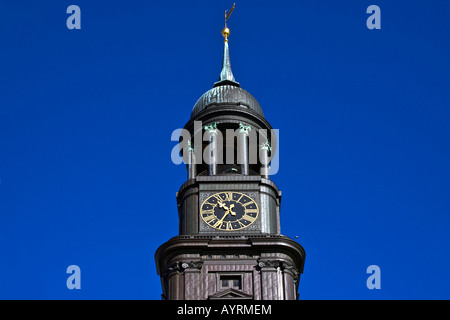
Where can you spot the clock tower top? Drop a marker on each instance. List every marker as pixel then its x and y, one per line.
pixel 229 243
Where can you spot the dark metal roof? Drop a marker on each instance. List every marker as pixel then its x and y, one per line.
pixel 229 95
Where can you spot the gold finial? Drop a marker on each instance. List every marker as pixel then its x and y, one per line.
pixel 226 31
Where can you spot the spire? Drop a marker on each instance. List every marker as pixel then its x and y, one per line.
pixel 226 75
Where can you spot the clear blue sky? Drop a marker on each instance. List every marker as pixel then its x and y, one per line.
pixel 86 118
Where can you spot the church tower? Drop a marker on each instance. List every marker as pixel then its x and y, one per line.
pixel 229 244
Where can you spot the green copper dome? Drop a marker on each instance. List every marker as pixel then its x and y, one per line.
pixel 226 95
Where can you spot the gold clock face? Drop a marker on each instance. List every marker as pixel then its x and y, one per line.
pixel 229 211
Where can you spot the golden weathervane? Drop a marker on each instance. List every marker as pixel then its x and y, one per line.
pixel 226 31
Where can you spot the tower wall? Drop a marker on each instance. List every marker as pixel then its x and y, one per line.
pixel 263 267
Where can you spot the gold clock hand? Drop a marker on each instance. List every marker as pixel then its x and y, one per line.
pixel 223 206
pixel 230 209
pixel 218 223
